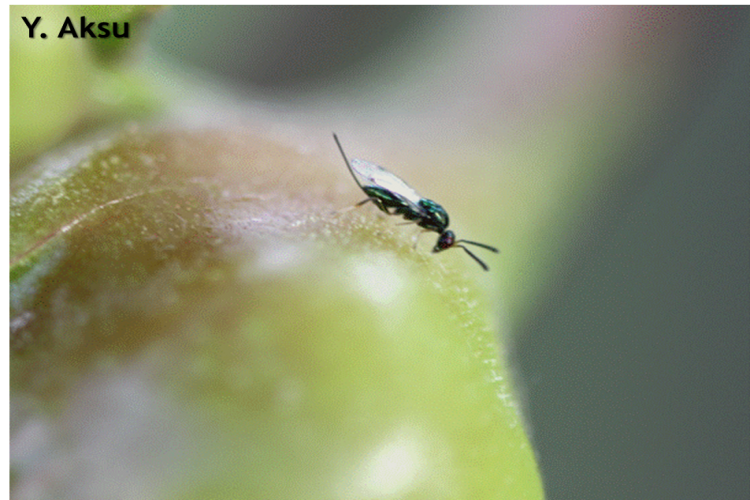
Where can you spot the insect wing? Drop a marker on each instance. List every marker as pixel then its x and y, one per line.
pixel 369 174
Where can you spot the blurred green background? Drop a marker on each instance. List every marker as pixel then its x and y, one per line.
pixel 636 355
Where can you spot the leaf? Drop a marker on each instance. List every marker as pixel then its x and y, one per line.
pixel 193 312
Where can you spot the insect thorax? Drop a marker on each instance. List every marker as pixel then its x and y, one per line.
pixel 435 218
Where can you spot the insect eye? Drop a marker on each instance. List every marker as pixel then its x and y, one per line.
pixel 445 241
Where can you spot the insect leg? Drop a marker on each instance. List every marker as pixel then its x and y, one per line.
pixel 344 210
pixel 415 238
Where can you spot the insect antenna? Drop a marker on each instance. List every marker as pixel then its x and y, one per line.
pixel 484 266
pixel 482 245
pixel 487 247
pixel 348 165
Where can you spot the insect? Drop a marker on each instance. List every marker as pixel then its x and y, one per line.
pixel 393 196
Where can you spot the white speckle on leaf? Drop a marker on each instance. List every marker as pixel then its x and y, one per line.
pixel 391 470
pixel 379 278
pixel 280 257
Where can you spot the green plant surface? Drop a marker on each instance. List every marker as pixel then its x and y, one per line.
pixel 194 311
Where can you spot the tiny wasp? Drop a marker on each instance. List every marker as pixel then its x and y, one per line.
pixel 393 196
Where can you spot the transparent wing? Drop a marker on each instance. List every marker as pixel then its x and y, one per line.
pixel 369 174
